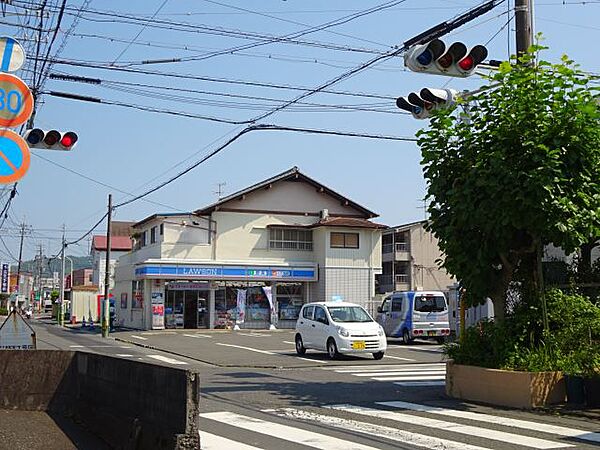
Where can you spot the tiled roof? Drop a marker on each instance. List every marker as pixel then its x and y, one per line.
pixel 293 173
pixel 116 243
pixel 348 222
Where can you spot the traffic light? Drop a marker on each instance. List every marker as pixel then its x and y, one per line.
pixel 50 140
pixel 420 105
pixel 455 61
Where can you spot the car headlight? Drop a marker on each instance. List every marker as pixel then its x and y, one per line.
pixel 343 332
pixel 380 332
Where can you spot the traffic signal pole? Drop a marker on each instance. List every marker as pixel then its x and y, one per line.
pixel 106 301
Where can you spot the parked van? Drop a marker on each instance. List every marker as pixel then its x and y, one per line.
pixel 415 314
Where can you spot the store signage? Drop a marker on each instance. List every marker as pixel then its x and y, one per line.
pixel 224 272
pixel 158 311
pixel 16 334
pixel 188 286
pixel 5 275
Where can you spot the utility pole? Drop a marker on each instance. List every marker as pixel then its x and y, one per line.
pixel 61 319
pixel 106 304
pixel 19 264
pixel 523 25
pixel 39 283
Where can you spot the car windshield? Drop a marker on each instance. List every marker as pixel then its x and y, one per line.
pixel 430 303
pixel 348 314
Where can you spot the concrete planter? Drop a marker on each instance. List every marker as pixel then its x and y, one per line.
pixel 504 387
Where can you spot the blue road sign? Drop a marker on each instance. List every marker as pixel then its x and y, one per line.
pixel 12 54
pixel 14 156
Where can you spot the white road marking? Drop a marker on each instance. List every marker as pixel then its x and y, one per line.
pixel 76 346
pixel 246 348
pixel 420 383
pixel 398 357
pixel 151 333
pixel 253 334
pixel 285 432
pixel 139 337
pixel 505 421
pixel 468 430
pixel 197 336
pixel 213 442
pixel 379 431
pixel 375 367
pixel 392 373
pixel 427 349
pixel 124 346
pixel 124 355
pixel 289 342
pixel 167 359
pixel 411 378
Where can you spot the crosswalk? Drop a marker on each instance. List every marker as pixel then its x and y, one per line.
pixel 383 425
pixel 433 374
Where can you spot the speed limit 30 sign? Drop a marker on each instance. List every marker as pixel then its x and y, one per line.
pixel 16 101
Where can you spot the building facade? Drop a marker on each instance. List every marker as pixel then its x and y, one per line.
pixel 409 254
pixel 250 260
pixel 119 246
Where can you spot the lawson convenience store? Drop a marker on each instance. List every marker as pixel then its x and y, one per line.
pixel 217 296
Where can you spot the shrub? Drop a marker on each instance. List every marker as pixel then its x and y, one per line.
pixel 519 343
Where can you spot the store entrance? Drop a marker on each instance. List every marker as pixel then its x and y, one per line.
pixel 190 306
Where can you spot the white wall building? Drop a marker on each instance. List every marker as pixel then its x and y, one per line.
pixel 253 258
pixel 119 246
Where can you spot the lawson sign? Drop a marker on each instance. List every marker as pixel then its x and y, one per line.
pixel 224 273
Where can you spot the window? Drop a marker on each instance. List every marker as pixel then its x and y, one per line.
pixel 153 235
pixel 290 239
pixel 308 312
pixel 320 315
pixel 349 314
pixel 430 303
pixel 162 229
pixel 344 240
pixel 397 304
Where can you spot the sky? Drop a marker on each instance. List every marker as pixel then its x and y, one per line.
pixel 124 150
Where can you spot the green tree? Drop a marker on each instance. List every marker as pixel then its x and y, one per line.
pixel 522 170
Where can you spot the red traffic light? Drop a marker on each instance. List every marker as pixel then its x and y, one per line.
pixel 68 139
pixel 466 63
pixel 51 140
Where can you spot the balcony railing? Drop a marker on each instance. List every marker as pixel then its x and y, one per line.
pixel 401 278
pixel 401 246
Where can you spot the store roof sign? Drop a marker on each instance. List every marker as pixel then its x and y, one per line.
pixel 226 272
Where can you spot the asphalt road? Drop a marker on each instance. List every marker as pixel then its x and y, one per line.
pixel 256 393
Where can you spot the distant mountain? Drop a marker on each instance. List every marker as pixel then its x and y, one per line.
pixel 53 265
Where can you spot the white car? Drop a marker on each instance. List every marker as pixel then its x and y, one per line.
pixel 338 327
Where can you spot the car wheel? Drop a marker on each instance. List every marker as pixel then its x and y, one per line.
pixel 406 337
pixel 300 345
pixel 332 350
pixel 378 355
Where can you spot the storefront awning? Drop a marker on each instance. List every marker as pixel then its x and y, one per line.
pixel 220 272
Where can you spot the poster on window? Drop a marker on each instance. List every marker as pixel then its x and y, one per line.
pixel 158 311
pixel 124 300
pixel 241 306
pixel 268 291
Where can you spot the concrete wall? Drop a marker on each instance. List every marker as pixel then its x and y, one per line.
pixel 127 403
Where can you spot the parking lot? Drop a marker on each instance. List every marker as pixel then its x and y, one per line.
pixel 252 348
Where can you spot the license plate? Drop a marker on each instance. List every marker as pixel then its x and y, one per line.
pixel 359 345
pixel 431 333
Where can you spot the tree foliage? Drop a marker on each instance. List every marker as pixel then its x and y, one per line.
pixel 520 171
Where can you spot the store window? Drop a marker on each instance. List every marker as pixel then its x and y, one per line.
pixel 290 239
pixel 257 305
pixel 137 294
pixel 344 240
pixel 225 307
pixel 289 300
